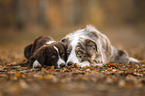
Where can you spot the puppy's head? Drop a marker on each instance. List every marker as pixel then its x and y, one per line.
pixel 87 46
pixel 82 51
pixel 53 54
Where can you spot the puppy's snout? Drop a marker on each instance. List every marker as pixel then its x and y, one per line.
pixel 62 65
pixel 69 63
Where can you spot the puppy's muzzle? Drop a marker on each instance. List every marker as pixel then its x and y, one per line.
pixel 62 65
pixel 69 63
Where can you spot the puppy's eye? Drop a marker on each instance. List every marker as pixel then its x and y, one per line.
pixel 53 56
pixel 79 53
pixel 68 51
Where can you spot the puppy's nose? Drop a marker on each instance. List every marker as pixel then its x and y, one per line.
pixel 62 65
pixel 69 63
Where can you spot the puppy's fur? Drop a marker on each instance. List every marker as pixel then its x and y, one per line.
pixel 45 51
pixel 90 47
pixel 38 42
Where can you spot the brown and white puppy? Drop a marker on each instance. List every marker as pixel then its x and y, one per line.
pixel 89 47
pixel 45 51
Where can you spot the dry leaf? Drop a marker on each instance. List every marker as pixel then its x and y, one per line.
pixel 18 74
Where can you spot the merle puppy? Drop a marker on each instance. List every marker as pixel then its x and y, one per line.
pixel 45 51
pixel 89 47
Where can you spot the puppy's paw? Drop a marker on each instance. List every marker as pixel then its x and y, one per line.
pixel 84 64
pixel 98 64
pixel 36 64
pixel 133 60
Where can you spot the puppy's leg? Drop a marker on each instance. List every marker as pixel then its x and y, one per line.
pixel 119 56
pixel 36 64
pixel 33 62
pixel 133 60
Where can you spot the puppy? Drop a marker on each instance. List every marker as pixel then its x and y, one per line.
pixel 89 47
pixel 45 51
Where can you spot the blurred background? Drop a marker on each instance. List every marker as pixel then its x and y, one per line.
pixel 122 21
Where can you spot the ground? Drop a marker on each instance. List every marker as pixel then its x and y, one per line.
pixel 108 80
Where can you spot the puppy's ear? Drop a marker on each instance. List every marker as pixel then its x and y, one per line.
pixel 64 45
pixel 49 38
pixel 65 40
pixel 64 51
pixel 91 45
pixel 42 39
pixel 38 38
pixel 40 55
pixel 35 44
pixel 27 50
pixel 91 49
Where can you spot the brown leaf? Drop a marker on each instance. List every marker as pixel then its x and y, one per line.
pixel 91 67
pixel 18 74
pixel 41 77
pixel 109 69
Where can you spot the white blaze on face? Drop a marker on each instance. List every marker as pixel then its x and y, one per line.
pixel 36 64
pixel 72 57
pixel 60 60
pixel 50 42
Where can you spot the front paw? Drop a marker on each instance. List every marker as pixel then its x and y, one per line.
pixel 36 64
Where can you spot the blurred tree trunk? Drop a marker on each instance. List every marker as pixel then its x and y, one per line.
pixel 42 20
pixel 139 18
pixel 21 14
pixel 139 11
pixel 31 12
pixel 77 16
pixel 7 14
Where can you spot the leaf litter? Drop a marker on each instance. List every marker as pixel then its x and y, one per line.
pixel 114 79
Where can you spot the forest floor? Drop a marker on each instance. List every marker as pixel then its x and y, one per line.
pixel 109 80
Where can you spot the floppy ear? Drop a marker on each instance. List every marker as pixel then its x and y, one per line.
pixel 40 55
pixel 37 39
pixel 64 47
pixel 65 40
pixel 42 39
pixel 91 46
pixel 91 49
pixel 27 50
